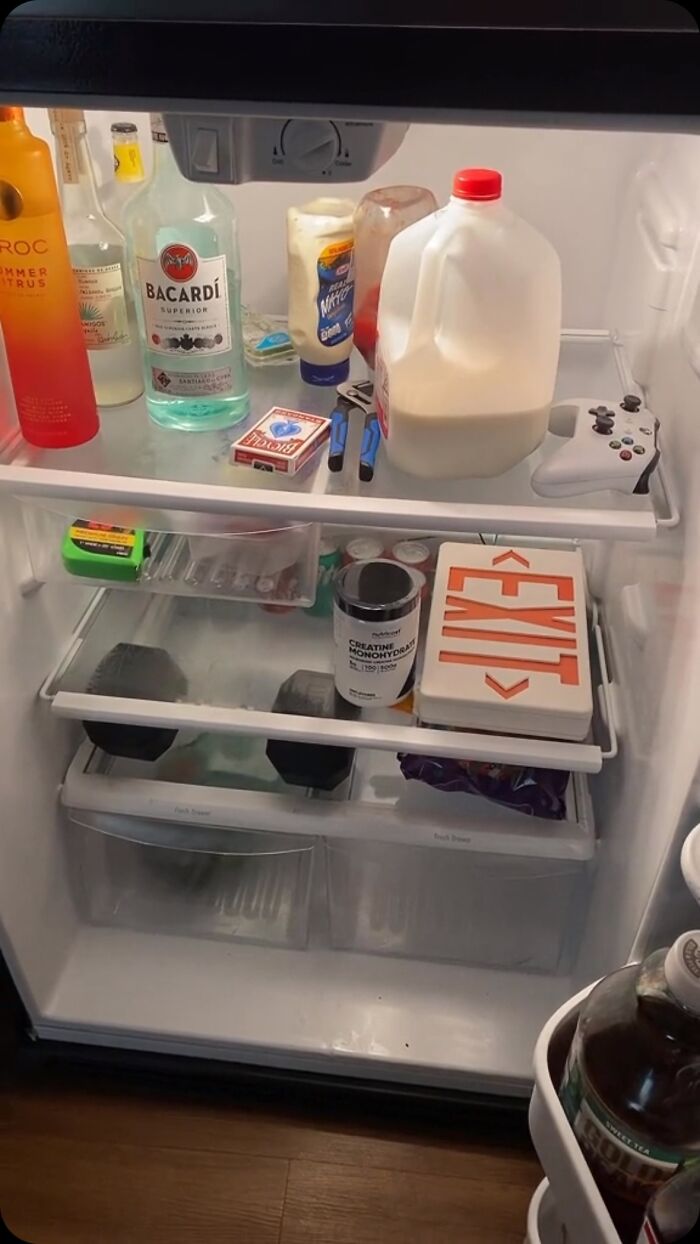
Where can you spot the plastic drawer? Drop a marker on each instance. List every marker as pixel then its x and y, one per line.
pixel 195 881
pixel 253 561
pixel 504 911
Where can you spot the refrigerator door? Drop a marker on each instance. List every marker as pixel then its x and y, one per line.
pixel 613 59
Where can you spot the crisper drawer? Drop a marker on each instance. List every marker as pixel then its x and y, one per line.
pixel 502 911
pixel 155 876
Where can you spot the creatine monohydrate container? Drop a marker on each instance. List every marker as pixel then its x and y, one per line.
pixel 375 629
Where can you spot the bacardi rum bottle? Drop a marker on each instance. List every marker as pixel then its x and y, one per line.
pixel 183 255
pixel 38 302
pixel 98 258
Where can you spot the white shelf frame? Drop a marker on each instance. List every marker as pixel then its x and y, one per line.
pixel 297 813
pixel 578 757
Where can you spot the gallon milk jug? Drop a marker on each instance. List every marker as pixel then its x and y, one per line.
pixel 468 327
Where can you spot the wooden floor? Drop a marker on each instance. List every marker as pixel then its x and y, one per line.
pixel 94 1158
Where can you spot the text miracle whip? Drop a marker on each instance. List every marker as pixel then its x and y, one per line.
pixel 507 642
pixel 283 440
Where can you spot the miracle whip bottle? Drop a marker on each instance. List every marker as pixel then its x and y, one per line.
pixel 38 299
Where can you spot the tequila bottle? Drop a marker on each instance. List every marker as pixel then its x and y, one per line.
pixel 98 258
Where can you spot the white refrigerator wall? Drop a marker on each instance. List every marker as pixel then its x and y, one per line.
pixel 609 203
pixel 652 593
pixel 569 184
pixel 36 911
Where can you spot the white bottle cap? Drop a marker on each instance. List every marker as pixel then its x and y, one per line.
pixel 682 969
pixel 690 862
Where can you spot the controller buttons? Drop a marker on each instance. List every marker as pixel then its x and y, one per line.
pixel 645 431
pixel 639 449
pixel 625 455
pixel 615 444
pixel 631 402
pixel 628 440
pixel 604 423
pixel 601 410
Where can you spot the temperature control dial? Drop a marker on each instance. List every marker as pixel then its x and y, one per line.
pixel 311 145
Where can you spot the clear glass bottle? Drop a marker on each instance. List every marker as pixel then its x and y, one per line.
pixel 631 1088
pixel 129 173
pixel 183 257
pixel 98 258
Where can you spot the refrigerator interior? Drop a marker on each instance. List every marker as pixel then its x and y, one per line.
pixel 359 945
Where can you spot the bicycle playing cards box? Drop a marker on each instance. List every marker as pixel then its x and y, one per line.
pixel 507 643
pixel 283 440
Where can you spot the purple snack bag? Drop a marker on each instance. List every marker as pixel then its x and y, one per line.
pixel 536 792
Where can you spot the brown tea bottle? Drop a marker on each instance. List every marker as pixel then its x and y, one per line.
pixel 631 1088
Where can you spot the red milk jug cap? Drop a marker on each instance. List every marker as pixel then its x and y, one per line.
pixel 477 183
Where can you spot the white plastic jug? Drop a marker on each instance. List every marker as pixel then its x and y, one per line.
pixel 469 326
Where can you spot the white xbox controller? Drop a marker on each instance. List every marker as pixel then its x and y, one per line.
pixel 612 445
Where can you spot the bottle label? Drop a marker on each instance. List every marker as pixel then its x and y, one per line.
pixel 102 306
pixel 91 537
pixel 648 1234
pixel 213 380
pixel 68 152
pixel 336 285
pixel 128 166
pixel 185 303
pixel 624 1163
pixel 374 661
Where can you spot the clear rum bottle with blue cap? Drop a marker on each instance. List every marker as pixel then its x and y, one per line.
pixel 184 264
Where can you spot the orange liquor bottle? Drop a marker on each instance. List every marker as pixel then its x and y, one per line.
pixel 38 299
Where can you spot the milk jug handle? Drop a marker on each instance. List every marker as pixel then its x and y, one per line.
pixel 427 302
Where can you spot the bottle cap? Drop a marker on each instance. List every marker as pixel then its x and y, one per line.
pixel 11 114
pixel 682 970
pixel 690 862
pixel 324 373
pixel 123 127
pixel 477 184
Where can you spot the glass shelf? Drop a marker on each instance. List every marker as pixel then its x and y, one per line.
pixel 137 474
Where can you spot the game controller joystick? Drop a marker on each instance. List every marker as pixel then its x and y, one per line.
pixel 612 445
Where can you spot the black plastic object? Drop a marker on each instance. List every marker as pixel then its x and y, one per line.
pixel 310 694
pixel 635 58
pixel 135 672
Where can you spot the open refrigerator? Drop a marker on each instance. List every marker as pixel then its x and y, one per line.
pixel 391 932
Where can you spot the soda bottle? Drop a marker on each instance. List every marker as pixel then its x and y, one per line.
pixel 379 216
pixel 631 1087
pixel 673 1216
